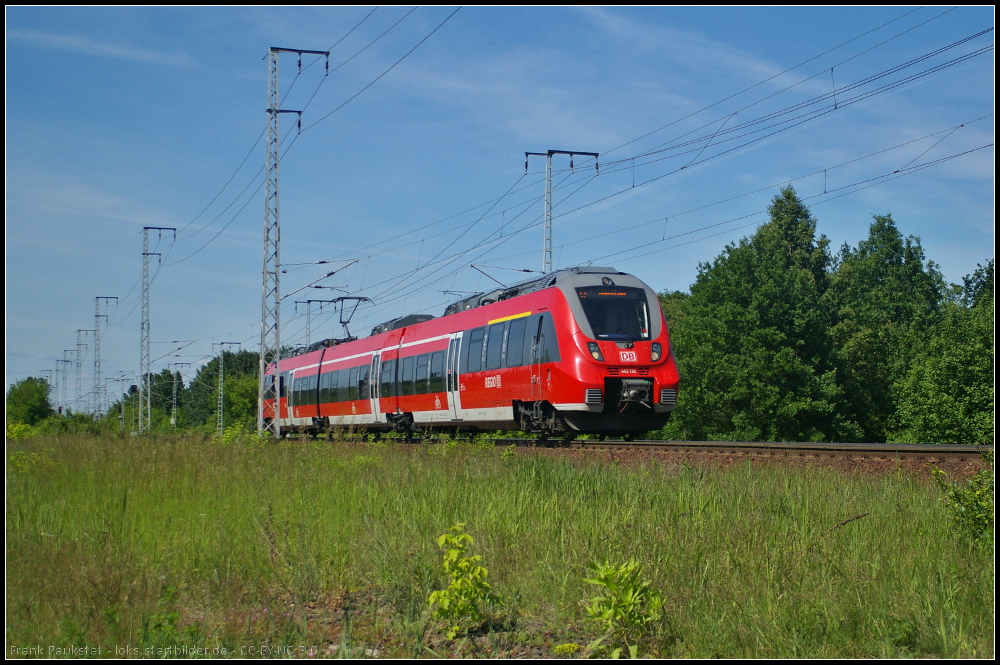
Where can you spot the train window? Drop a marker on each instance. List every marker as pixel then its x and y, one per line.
pixel 618 312
pixel 540 345
pixel 421 386
pixel 343 385
pixel 352 385
pixel 474 362
pixel 363 382
pixel 515 343
pixel 388 378
pixel 283 384
pixel 312 384
pixel 437 372
pixel 532 328
pixel 324 387
pixel 332 389
pixel 406 377
pixel 494 346
pixel 549 345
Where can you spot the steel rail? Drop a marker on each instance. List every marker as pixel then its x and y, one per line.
pixel 885 451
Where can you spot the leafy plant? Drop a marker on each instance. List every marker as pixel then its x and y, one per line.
pixel 461 602
pixel 567 649
pixel 17 431
pixel 971 506
pixel 24 462
pixel 627 607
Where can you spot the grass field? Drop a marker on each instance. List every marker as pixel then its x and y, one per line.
pixel 263 549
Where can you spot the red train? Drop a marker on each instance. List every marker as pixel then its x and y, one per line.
pixel 583 350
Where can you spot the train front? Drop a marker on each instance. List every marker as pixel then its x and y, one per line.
pixel 621 358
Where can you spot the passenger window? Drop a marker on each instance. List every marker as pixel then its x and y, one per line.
pixel 421 384
pixel 388 378
pixel 532 329
pixel 406 377
pixel 352 385
pixel 475 359
pixel 549 345
pixel 494 346
pixel 437 372
pixel 312 383
pixel 324 387
pixel 515 343
pixel 335 386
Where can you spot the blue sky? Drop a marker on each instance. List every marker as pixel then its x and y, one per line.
pixel 124 118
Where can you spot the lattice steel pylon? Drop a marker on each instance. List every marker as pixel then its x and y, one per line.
pixel 222 363
pixel 98 386
pixel 547 223
pixel 173 409
pixel 270 307
pixel 145 379
pixel 65 361
pixel 79 401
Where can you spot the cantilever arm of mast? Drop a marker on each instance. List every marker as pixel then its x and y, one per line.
pixel 329 274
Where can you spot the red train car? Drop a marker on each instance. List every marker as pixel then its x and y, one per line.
pixel 582 350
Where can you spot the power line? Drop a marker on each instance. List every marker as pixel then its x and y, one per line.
pixel 358 93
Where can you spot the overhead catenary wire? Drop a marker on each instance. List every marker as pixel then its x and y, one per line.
pixel 568 212
pixel 880 179
pixel 820 99
pixel 860 96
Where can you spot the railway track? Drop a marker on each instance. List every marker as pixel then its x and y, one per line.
pixel 915 452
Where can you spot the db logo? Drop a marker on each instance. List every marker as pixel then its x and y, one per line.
pixel 627 356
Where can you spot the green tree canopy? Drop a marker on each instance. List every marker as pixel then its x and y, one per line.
pixel 756 359
pixel 28 401
pixel 200 399
pixel 885 298
pixel 947 395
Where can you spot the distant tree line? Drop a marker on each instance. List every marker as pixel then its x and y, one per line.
pixel 781 340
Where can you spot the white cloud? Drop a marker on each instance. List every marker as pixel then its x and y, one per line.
pixel 92 47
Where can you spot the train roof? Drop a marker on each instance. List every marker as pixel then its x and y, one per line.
pixel 527 286
pixel 565 278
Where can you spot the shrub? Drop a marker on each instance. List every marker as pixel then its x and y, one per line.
pixel 17 431
pixel 628 607
pixel 971 506
pixel 461 603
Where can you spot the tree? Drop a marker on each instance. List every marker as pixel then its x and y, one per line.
pixel 28 401
pixel 947 396
pixel 885 299
pixel 753 344
pixel 200 399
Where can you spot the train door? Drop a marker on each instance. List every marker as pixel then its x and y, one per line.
pixel 290 399
pixel 536 359
pixel 452 384
pixel 374 388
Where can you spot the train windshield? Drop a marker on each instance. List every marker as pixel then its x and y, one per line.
pixel 616 312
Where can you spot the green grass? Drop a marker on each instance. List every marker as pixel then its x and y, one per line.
pixel 159 542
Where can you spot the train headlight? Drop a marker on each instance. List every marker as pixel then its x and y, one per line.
pixel 656 351
pixel 595 351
